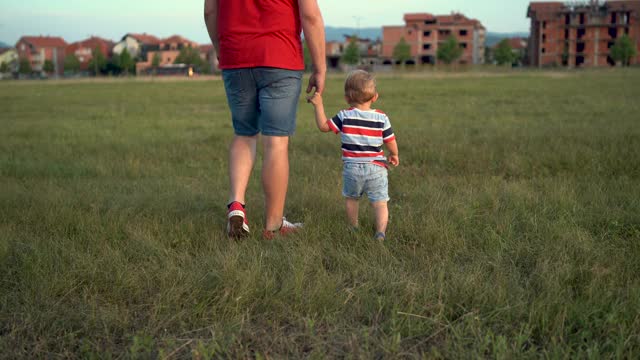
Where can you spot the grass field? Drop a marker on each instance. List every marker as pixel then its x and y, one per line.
pixel 515 225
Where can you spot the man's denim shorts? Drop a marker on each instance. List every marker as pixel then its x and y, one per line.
pixel 263 100
pixel 365 178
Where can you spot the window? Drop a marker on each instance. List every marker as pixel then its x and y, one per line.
pixel 426 46
pixel 567 19
pixel 544 50
pixel 22 47
pixel 463 45
pixel 463 32
pixel 429 22
pixel 582 19
pixel 427 33
pixel 544 37
pixel 544 24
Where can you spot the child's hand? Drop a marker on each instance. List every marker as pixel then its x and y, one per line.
pixel 315 99
pixel 394 160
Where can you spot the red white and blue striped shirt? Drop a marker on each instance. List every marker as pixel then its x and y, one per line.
pixel 363 133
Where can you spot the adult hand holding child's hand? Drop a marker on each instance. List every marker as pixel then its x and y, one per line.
pixel 315 99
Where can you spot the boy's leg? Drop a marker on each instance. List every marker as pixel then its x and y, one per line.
pixel 382 216
pixel 352 211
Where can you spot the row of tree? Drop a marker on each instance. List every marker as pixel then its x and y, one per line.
pixel 122 64
pixel 622 52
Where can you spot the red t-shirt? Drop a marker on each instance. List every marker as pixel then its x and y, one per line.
pixel 255 33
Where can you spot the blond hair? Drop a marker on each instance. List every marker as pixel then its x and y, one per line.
pixel 360 87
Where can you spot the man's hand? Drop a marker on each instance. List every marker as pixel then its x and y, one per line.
pixel 316 83
pixel 394 160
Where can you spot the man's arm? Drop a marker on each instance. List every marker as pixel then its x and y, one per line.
pixel 211 20
pixel 313 28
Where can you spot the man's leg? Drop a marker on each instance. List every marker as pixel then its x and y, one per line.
pixel 275 179
pixel 242 155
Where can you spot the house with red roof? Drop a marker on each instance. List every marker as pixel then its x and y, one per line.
pixel 138 45
pixel 167 50
pixel 83 50
pixel 38 49
pixel 425 32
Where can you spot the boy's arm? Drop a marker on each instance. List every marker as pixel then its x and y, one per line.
pixel 394 158
pixel 321 118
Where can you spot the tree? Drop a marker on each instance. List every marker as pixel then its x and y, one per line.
pixel 48 67
pixel 71 64
pixel 98 63
pixel 4 68
pixel 308 61
pixel 25 67
pixel 127 63
pixel 450 51
pixel 623 50
pixel 351 54
pixel 402 51
pixel 191 56
pixel 504 53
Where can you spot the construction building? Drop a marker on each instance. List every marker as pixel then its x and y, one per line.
pixel 426 32
pixel 580 33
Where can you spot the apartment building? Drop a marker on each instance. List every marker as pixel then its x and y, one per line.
pixel 425 32
pixel 580 34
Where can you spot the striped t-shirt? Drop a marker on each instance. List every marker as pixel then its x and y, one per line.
pixel 363 133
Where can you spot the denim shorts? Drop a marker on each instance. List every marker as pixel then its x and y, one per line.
pixel 263 100
pixel 365 178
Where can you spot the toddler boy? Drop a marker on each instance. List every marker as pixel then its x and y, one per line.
pixel 363 131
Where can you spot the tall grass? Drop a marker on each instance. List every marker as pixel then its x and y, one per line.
pixel 515 226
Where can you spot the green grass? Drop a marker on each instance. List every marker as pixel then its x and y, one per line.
pixel 515 225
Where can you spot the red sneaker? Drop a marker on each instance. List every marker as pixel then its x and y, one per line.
pixel 237 224
pixel 287 228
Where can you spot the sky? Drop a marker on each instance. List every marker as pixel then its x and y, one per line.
pixel 78 19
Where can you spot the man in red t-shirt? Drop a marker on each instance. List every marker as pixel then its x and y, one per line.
pixel 260 52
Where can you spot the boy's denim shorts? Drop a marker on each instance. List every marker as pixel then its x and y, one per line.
pixel 263 100
pixel 365 178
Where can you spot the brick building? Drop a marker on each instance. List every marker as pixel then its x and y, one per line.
pixel 425 32
pixel 581 33
pixel 167 49
pixel 38 49
pixel 83 50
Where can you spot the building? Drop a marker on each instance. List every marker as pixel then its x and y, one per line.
pixel 426 32
pixel 138 45
pixel 580 34
pixel 9 57
pixel 166 50
pixel 38 49
pixel 83 50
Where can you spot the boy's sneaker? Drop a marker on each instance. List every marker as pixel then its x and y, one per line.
pixel 287 228
pixel 237 224
pixel 381 236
